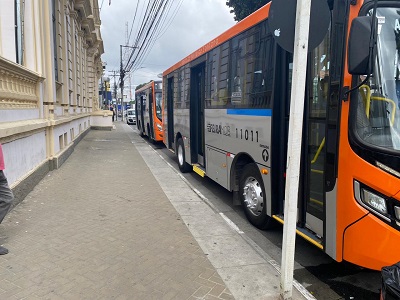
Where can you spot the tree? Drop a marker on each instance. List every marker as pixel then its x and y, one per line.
pixel 243 8
pixel 140 86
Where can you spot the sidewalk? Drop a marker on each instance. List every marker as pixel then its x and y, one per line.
pixel 117 222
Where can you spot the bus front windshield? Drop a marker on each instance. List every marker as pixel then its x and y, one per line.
pixel 378 116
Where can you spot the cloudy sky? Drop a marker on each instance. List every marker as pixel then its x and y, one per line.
pixel 196 22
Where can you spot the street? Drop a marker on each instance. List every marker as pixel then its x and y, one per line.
pixel 323 277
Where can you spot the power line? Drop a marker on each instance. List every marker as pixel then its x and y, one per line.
pixel 171 19
pixel 153 21
pixel 149 33
pixel 133 22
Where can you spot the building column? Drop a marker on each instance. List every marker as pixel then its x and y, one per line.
pixel 64 58
pixel 49 92
pixel 90 74
pixel 73 88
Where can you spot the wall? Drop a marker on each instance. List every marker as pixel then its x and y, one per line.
pixel 48 84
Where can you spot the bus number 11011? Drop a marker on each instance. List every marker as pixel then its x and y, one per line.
pixel 248 135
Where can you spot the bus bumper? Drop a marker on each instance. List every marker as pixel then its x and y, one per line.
pixel 371 243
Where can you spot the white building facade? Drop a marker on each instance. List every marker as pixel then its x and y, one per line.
pixel 50 65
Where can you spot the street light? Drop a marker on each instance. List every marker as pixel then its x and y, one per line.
pixel 122 74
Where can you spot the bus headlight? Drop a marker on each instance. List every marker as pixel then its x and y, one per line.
pixel 159 127
pixel 374 201
pixel 397 213
pixel 371 200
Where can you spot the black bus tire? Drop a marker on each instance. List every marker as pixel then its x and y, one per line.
pixel 140 129
pixel 180 153
pixel 253 198
pixel 151 138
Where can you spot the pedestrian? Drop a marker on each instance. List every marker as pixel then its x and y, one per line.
pixel 6 195
pixel 113 111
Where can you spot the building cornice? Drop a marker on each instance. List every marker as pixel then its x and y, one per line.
pixel 84 7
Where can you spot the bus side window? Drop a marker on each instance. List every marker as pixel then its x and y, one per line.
pixel 257 91
pixel 223 80
pixel 252 68
pixel 211 80
pixel 244 48
pixel 261 92
pixel 186 87
pixel 235 90
pixel 180 92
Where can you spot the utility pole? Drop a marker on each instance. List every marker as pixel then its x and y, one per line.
pixel 303 10
pixel 115 91
pixel 122 75
pixel 115 73
pixel 130 88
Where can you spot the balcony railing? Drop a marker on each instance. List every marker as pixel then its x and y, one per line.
pixel 19 87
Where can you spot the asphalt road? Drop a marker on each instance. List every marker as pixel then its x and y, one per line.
pixel 320 274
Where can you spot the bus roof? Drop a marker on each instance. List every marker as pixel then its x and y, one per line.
pixel 256 17
pixel 147 85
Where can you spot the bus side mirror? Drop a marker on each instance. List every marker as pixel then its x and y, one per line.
pixel 359 41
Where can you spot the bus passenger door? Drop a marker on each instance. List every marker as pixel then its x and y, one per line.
pixel 197 98
pixel 312 208
pixel 150 129
pixel 142 111
pixel 170 113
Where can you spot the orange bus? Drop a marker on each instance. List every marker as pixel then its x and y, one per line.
pixel 148 105
pixel 226 115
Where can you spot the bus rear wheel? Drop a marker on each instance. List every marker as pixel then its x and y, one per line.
pixel 252 195
pixel 180 152
pixel 140 129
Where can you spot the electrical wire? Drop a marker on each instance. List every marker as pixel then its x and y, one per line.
pixel 171 19
pixel 149 38
pixel 152 27
pixel 152 21
pixel 133 22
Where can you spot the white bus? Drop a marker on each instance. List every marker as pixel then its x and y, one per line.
pixel 226 116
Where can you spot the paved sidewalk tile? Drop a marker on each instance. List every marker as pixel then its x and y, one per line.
pixel 100 227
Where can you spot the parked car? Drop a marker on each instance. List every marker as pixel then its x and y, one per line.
pixel 131 116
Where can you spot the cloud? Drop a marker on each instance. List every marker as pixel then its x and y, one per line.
pixel 196 23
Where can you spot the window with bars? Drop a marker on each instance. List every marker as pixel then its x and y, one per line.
pixel 19 8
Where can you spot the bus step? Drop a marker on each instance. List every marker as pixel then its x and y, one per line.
pixel 304 233
pixel 199 170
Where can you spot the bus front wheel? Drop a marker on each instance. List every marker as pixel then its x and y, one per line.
pixel 253 198
pixel 151 139
pixel 180 151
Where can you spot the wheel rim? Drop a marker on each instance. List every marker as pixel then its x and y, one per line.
pixel 180 155
pixel 253 196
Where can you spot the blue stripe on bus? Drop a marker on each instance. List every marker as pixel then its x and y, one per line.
pixel 249 112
